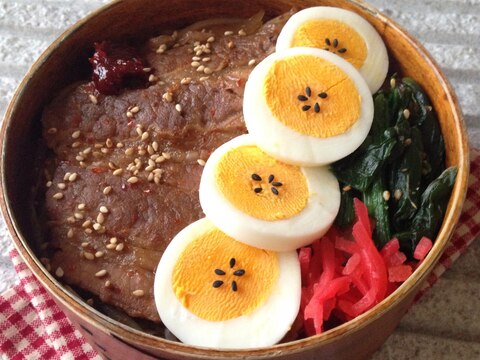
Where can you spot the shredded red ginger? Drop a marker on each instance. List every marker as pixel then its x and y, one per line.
pixel 344 276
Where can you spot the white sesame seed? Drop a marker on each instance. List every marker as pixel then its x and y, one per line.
pixel 82 164
pixel 397 194
pixel 206 59
pixel 185 81
pixel 201 162
pixel 88 255
pixel 52 131
pixel 78 216
pixel 201 68
pixel 150 177
pixel 135 109
pixel 129 151
pixel 59 272
pixel 199 52
pixel 117 172
pixel 93 99
pixel 231 45
pixel 196 58
pixel 386 195
pixel 393 82
pixel 108 283
pixel 203 78
pixel 88 231
pixel 208 71
pixel 97 227
pixel 76 134
pixel 101 273
pixel 161 49
pixel 107 190
pixel 147 69
pixel 79 158
pixel 48 184
pixel 242 32
pixel 178 107
pixel 100 218
pixel 228 33
pixel 168 96
pixel 76 144
pixel 138 293
pixel 109 143
pixel 112 165
pixel 70 233
pixel 141 152
pixel 152 78
pixel 81 206
pixel 145 136
pixel 61 186
pixel 120 145
pixel 71 220
pixel 132 180
pixel 252 62
pixel 111 246
pixel 113 240
pixel 58 196
pixel 119 247
pixel 149 168
pixel 195 64
pixel 166 155
pixel 150 149
pixel 406 113
pixel 129 114
pixel 156 179
pixel 211 39
pixel 87 223
pixel 85 244
pixel 73 177
pixel 104 210
pixel 155 146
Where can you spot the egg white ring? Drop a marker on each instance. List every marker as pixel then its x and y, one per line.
pixel 288 145
pixel 375 67
pixel 265 326
pixel 279 235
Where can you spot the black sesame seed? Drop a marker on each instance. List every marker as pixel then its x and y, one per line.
pixel 239 272
pixel 327 49
pixel 306 107
pixel 322 95
pixel 256 177
pixel 274 191
pixel 342 50
pixel 258 190
pixel 327 41
pixel 316 108
pixel 308 91
pixel 302 98
pixel 335 42
pixel 219 272
pixel 276 183
pixel 270 178
pixel 234 286
pixel 232 263
pixel 217 283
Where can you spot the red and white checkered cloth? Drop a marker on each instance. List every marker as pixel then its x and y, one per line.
pixel 33 327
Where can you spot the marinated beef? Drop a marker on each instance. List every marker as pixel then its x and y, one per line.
pixel 124 170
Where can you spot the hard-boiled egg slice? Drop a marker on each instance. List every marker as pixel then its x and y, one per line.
pixel 307 106
pixel 213 291
pixel 264 202
pixel 343 33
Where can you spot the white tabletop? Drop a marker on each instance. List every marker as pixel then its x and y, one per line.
pixel 445 324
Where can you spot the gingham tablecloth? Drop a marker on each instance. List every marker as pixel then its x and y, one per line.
pixel 33 327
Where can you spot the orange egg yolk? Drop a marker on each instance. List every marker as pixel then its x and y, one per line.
pixel 261 186
pixel 334 36
pixel 218 278
pixel 312 96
